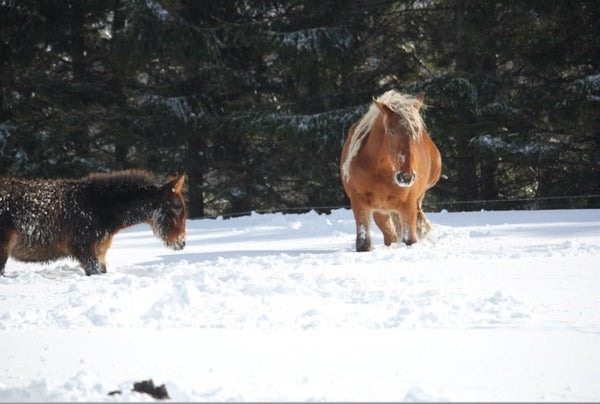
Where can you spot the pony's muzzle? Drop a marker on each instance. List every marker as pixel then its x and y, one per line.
pixel 179 244
pixel 403 180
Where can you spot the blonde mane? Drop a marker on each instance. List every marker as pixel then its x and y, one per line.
pixel 402 104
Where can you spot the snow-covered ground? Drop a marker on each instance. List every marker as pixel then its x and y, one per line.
pixel 494 306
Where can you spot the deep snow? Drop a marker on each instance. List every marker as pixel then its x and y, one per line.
pixel 494 306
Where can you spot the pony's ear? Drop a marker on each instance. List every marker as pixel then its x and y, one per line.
pixel 420 98
pixel 175 184
pixel 382 107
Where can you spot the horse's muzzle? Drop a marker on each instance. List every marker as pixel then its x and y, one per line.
pixel 179 244
pixel 403 180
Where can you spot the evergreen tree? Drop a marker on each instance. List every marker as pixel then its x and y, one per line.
pixel 253 100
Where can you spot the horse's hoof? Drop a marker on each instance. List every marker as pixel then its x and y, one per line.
pixel 363 245
pixel 409 242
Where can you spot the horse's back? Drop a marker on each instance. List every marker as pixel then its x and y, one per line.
pixel 435 159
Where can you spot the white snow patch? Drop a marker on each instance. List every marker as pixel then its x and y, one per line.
pixel 493 306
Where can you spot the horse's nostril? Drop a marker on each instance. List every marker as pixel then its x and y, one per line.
pixel 403 180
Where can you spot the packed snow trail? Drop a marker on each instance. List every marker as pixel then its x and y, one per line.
pixel 493 306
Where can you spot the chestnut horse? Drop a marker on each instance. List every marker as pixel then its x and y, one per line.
pixel 387 164
pixel 43 220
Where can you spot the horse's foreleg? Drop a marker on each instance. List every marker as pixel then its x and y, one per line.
pixel 88 261
pixel 92 266
pixel 386 225
pixel 409 225
pixel 362 217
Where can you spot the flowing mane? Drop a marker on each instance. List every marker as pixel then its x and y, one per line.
pixel 402 104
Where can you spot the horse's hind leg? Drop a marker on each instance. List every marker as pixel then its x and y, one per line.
pixel 386 225
pixel 406 224
pixel 3 259
pixel 100 250
pixel 3 254
pixel 397 220
pixel 424 227
pixel 7 240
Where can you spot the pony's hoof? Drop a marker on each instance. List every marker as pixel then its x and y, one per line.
pixel 388 241
pixel 363 245
pixel 409 241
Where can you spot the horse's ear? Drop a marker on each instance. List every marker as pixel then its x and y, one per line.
pixel 420 98
pixel 175 184
pixel 382 107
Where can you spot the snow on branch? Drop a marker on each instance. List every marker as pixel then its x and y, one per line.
pixel 309 123
pixel 509 147
pixel 185 108
pixel 314 39
pixel 589 87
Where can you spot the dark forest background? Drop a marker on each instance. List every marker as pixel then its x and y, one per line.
pixel 253 99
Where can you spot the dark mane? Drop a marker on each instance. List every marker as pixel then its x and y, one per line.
pixel 123 178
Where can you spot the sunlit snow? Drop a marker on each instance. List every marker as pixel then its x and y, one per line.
pixel 494 306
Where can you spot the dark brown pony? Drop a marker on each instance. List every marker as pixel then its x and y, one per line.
pixel 387 164
pixel 43 220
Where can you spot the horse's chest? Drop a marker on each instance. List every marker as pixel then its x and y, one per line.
pixel 377 189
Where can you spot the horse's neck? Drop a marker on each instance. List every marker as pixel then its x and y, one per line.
pixel 141 211
pixel 128 207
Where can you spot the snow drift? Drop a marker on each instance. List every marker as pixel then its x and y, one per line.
pixel 493 306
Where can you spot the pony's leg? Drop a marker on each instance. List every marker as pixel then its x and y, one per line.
pixel 3 259
pixel 362 217
pixel 3 253
pixel 88 261
pixel 397 220
pixel 409 224
pixel 7 239
pixel 92 257
pixel 91 266
pixel 386 225
pixel 424 227
pixel 100 251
